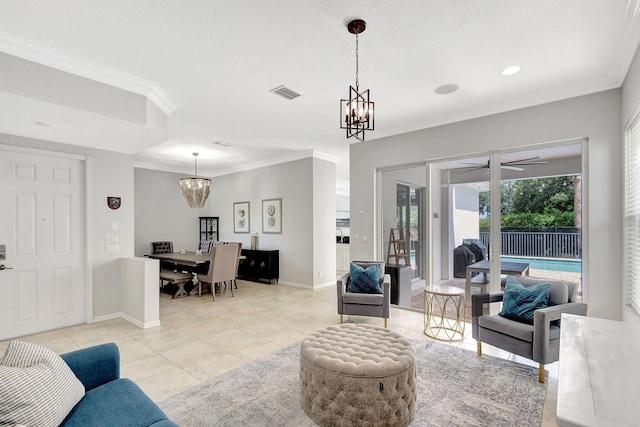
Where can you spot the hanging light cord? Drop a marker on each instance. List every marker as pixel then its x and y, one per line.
pixel 357 79
pixel 195 161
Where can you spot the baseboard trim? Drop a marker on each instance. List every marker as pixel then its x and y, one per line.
pixel 128 318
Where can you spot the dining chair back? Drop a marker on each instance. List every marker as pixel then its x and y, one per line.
pixel 222 267
pixel 237 260
pixel 161 247
pixel 205 246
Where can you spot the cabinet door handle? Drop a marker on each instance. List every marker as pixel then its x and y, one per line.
pixel 4 267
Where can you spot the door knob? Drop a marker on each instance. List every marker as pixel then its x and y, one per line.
pixel 4 267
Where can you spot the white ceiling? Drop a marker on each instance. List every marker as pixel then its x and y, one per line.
pixel 215 62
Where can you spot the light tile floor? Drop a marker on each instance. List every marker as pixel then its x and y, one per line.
pixel 200 338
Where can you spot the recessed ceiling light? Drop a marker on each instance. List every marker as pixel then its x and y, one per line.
pixel 43 124
pixel 510 70
pixel 446 89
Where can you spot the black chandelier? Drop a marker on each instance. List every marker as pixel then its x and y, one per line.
pixel 356 113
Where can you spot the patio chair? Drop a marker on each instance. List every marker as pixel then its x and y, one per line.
pixel 539 341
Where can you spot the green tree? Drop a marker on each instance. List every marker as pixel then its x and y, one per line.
pixel 538 202
pixel 543 195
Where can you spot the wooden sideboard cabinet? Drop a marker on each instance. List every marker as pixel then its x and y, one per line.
pixel 260 264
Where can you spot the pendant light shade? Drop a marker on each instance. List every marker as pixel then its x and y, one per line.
pixel 195 190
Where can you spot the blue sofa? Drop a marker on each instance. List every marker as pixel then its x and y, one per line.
pixel 109 400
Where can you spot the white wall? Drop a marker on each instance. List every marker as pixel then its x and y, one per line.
pixel 342 202
pixel 596 117
pixel 162 212
pixel 324 221
pixel 140 299
pixel 631 104
pixel 111 175
pixel 307 189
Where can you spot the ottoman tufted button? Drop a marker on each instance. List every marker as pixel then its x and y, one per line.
pixel 354 367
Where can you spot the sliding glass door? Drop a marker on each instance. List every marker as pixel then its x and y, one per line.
pixel 409 225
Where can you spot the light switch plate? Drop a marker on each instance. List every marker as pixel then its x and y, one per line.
pixel 111 248
pixel 110 238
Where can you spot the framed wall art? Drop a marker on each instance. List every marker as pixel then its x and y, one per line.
pixel 241 217
pixel 272 216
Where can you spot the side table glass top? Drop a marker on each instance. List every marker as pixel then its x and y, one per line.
pixel 444 290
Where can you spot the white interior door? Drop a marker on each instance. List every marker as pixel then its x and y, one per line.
pixel 42 220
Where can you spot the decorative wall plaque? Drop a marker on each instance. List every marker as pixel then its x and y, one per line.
pixel 114 202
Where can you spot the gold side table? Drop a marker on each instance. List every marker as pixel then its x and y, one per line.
pixel 436 324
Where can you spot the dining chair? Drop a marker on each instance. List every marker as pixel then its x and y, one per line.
pixel 205 246
pixel 222 267
pixel 161 247
pixel 238 259
pixel 166 267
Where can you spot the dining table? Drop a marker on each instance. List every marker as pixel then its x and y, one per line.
pixel 192 261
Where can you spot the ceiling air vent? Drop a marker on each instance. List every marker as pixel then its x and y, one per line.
pixel 222 144
pixel 285 92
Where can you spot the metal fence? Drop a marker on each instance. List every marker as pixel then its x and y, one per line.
pixel 538 244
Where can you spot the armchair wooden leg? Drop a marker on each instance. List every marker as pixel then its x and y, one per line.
pixel 479 347
pixel 385 322
pixel 341 318
pixel 541 373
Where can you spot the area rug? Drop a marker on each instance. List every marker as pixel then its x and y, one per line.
pixel 455 388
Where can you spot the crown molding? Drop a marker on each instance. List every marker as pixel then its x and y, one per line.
pixel 41 54
pixel 249 166
pixel 629 40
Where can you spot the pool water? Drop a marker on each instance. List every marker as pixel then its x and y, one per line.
pixel 572 266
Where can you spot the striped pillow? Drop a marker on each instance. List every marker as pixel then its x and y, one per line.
pixel 37 388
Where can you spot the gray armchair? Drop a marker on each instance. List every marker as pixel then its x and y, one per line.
pixel 360 304
pixel 539 342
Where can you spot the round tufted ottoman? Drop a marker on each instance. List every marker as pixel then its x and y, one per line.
pixel 358 375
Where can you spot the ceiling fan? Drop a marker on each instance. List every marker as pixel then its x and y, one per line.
pixel 514 165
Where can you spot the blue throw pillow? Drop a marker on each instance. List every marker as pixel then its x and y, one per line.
pixel 365 280
pixel 520 302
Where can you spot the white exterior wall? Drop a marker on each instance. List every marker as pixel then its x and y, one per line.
pixel 466 214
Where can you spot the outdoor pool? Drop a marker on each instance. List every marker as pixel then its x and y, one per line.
pixel 569 265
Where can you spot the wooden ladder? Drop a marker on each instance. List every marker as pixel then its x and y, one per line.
pixel 398 243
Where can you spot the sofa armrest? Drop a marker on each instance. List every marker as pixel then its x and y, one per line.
pixel 479 300
pixel 386 294
pixel 95 365
pixel 542 319
pixel 341 288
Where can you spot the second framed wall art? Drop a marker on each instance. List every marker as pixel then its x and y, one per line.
pixel 272 216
